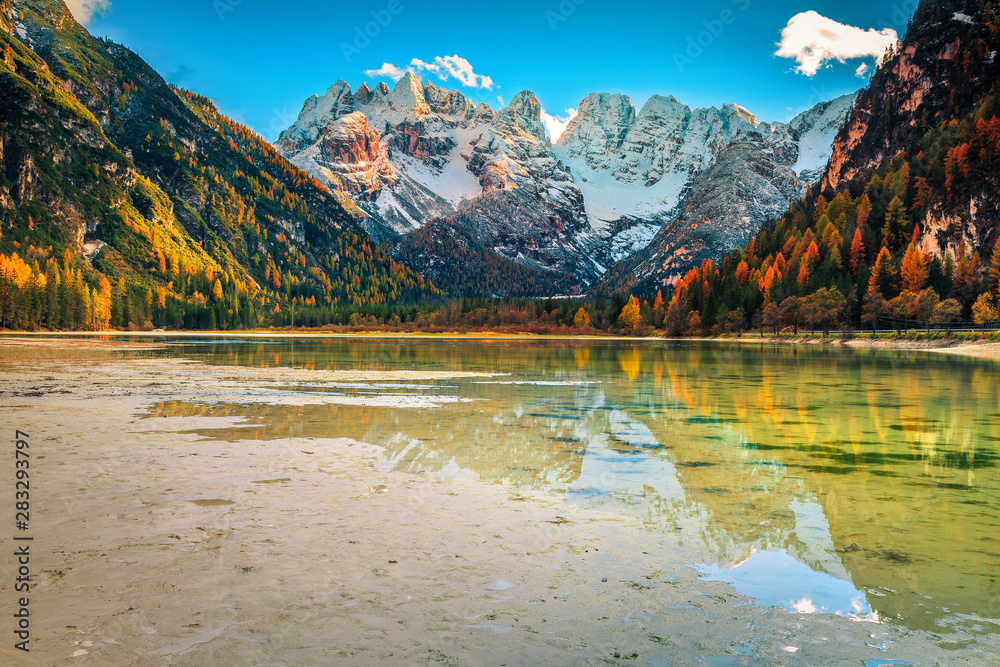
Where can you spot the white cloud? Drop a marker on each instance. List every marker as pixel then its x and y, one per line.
pixel 455 67
pixel 862 70
pixel 84 10
pixel 804 606
pixel 443 67
pixel 556 125
pixel 812 40
pixel 387 70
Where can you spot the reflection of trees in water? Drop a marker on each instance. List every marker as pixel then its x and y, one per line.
pixel 502 440
pixel 898 450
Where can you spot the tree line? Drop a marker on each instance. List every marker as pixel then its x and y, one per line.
pixel 868 254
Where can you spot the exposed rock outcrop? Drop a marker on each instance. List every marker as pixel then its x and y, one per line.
pixel 600 194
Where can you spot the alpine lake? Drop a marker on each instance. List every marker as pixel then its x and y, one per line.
pixel 827 481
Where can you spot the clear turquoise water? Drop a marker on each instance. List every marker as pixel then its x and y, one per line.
pixel 823 481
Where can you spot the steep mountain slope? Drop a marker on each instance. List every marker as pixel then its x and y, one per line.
pixel 417 152
pixel 944 67
pixel 159 192
pixel 906 229
pixel 724 210
pixel 740 173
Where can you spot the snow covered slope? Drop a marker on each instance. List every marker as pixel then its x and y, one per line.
pixel 637 170
pixel 602 193
pixel 817 129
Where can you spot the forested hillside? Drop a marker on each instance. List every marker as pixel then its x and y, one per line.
pixel 910 240
pixel 126 202
pixel 445 254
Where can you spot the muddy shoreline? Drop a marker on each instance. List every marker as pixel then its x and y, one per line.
pixel 156 545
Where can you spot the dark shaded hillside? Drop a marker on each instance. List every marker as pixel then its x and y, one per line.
pixel 444 253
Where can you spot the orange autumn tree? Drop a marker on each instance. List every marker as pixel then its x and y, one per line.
pixel 857 251
pixel 743 273
pixel 914 269
pixel 659 310
pixel 803 277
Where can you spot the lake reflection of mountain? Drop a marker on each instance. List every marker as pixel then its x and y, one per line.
pixel 877 473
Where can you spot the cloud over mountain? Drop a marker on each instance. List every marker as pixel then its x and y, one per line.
pixel 443 67
pixel 813 40
pixel 84 10
pixel 556 125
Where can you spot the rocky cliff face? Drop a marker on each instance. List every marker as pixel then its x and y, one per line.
pixel 417 153
pixel 946 63
pixel 599 195
pixel 637 171
pixel 945 66
pixel 708 179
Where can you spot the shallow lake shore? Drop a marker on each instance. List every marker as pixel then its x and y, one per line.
pixel 156 545
pixel 981 348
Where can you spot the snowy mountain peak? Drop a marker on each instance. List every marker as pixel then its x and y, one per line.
pixel 483 114
pixel 408 96
pixel 817 128
pixel 447 102
pixel 363 94
pixel 380 93
pixel 316 112
pixel 663 105
pixel 736 111
pixel 523 115
pixel 338 89
pixel 602 122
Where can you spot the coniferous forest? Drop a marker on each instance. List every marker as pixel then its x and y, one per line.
pixel 127 203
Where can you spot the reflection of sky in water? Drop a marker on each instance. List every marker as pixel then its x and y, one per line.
pixel 606 471
pixel 809 494
pixel 813 580
pixel 778 580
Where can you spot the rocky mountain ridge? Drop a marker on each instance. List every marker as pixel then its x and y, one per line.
pixel 415 153
pixel 644 168
pixel 945 67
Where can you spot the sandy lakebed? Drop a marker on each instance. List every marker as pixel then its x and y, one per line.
pixel 155 545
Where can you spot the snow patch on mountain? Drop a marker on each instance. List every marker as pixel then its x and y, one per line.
pixel 613 179
pixel 608 199
pixel 453 182
pixel 817 130
pixel 632 240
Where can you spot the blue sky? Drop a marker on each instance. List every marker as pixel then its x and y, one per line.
pixel 260 60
